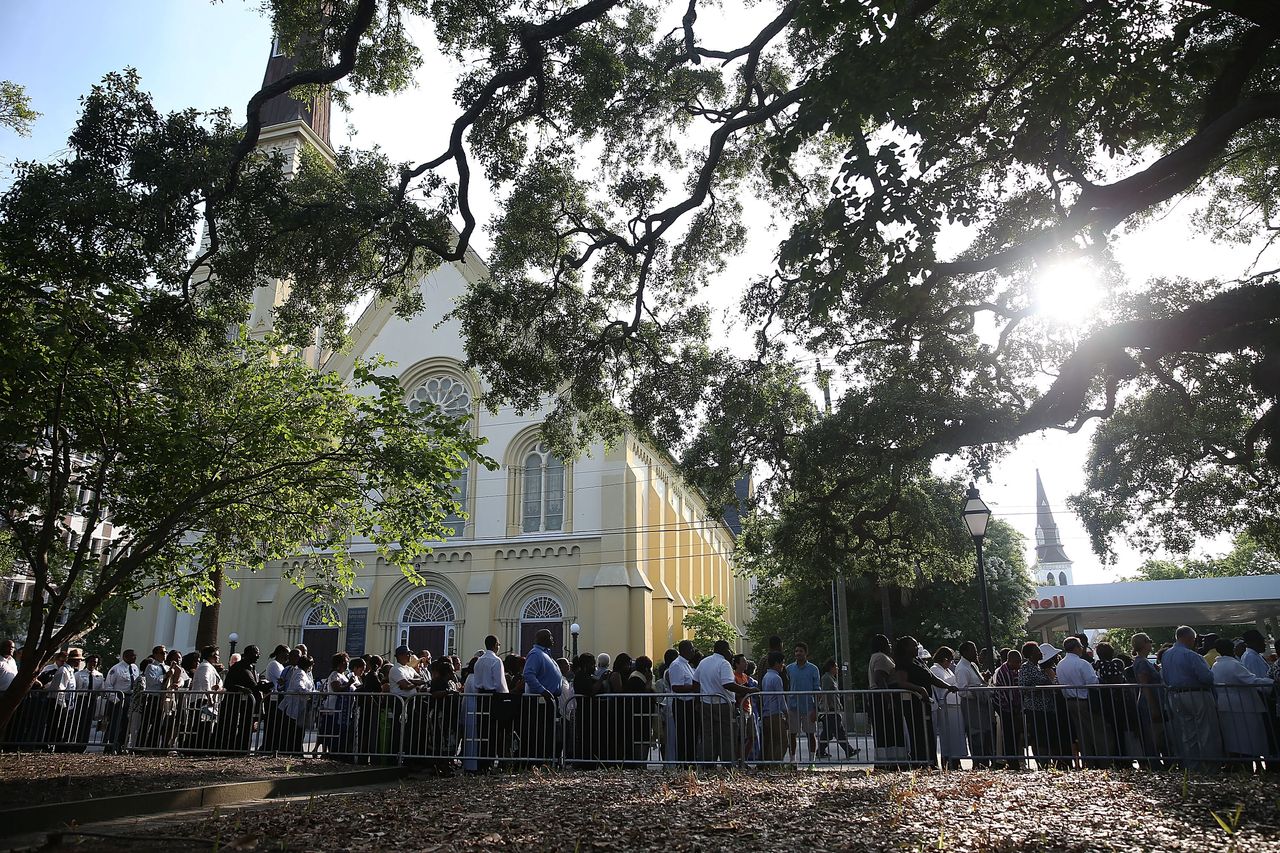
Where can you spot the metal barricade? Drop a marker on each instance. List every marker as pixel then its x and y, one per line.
pixel 1031 727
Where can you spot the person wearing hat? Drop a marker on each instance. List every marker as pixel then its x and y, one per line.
pixel 1042 721
pixel 62 690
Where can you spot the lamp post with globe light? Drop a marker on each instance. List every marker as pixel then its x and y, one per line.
pixel 575 629
pixel 233 638
pixel 976 516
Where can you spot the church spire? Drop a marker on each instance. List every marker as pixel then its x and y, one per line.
pixel 283 109
pixel 1048 545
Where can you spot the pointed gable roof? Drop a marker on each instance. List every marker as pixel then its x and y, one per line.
pixel 1048 545
pixel 283 109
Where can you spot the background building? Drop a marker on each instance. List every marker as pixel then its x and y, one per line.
pixel 1053 566
pixel 615 540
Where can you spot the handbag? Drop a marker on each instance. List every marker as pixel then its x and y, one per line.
pixel 209 714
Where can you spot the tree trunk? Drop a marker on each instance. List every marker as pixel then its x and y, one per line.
pixel 207 627
pixel 886 613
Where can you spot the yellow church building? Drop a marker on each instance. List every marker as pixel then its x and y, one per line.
pixel 614 541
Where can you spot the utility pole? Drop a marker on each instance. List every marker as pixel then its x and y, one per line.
pixel 839 592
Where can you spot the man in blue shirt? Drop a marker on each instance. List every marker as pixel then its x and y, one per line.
pixel 1191 702
pixel 773 710
pixel 541 687
pixel 802 707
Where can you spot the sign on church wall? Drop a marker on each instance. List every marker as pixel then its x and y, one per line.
pixel 357 623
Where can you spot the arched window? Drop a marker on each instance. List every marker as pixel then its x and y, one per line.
pixel 320 639
pixel 539 612
pixel 428 621
pixel 1049 580
pixel 542 492
pixel 452 397
pixel 1062 578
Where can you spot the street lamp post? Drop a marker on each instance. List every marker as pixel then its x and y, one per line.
pixel 976 516
pixel 233 638
pixel 575 629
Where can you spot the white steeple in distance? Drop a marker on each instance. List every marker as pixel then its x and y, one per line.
pixel 1053 566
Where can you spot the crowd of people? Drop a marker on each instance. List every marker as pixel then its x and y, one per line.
pixel 1197 700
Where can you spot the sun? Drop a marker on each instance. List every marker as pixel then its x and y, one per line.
pixel 1068 293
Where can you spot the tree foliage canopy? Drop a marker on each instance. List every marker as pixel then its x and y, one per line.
pixel 124 401
pixel 929 161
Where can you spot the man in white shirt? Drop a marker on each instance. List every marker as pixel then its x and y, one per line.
pixel 489 680
pixel 719 691
pixel 685 707
pixel 975 705
pixel 119 681
pixel 1075 675
pixel 62 687
pixel 207 679
pixel 8 665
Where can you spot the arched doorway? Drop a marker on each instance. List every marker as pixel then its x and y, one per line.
pixel 428 622
pixel 321 641
pixel 542 611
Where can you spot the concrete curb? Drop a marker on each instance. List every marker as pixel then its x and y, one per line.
pixel 54 816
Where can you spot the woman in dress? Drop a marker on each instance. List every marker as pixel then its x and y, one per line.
pixel 950 718
pixel 1150 699
pixel 1241 711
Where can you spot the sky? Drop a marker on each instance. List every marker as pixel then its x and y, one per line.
pixel 193 53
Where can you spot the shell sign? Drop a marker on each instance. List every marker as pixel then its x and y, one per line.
pixel 1055 603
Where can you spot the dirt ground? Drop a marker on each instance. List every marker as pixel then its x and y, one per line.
pixel 743 810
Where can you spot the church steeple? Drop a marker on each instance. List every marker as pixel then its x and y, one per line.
pixel 1052 563
pixel 283 109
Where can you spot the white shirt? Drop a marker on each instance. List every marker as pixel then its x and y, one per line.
pixel 1252 661
pixel 274 670
pixel 207 678
pixel 8 671
pixel 295 704
pixel 946 697
pixel 680 674
pixel 713 674
pixel 1228 670
pixel 402 672
pixel 120 677
pixel 1075 672
pixel 488 673
pixel 86 680
pixel 64 683
pixel 967 675
pixel 338 684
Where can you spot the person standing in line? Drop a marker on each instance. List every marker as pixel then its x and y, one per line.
pixel 951 739
pixel 1241 711
pixel 1150 705
pixel 151 708
pixel 297 705
pixel 1008 700
pixel 832 724
pixel 684 687
pixel 541 688
pixel 8 665
pixel 90 706
pixel 62 690
pixel 206 690
pixel 804 684
pixel 1076 675
pixel 975 705
pixel 887 724
pixel 481 721
pixel 773 710
pixel 273 721
pixel 720 692
pixel 119 683
pixel 1254 661
pixel 1191 705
